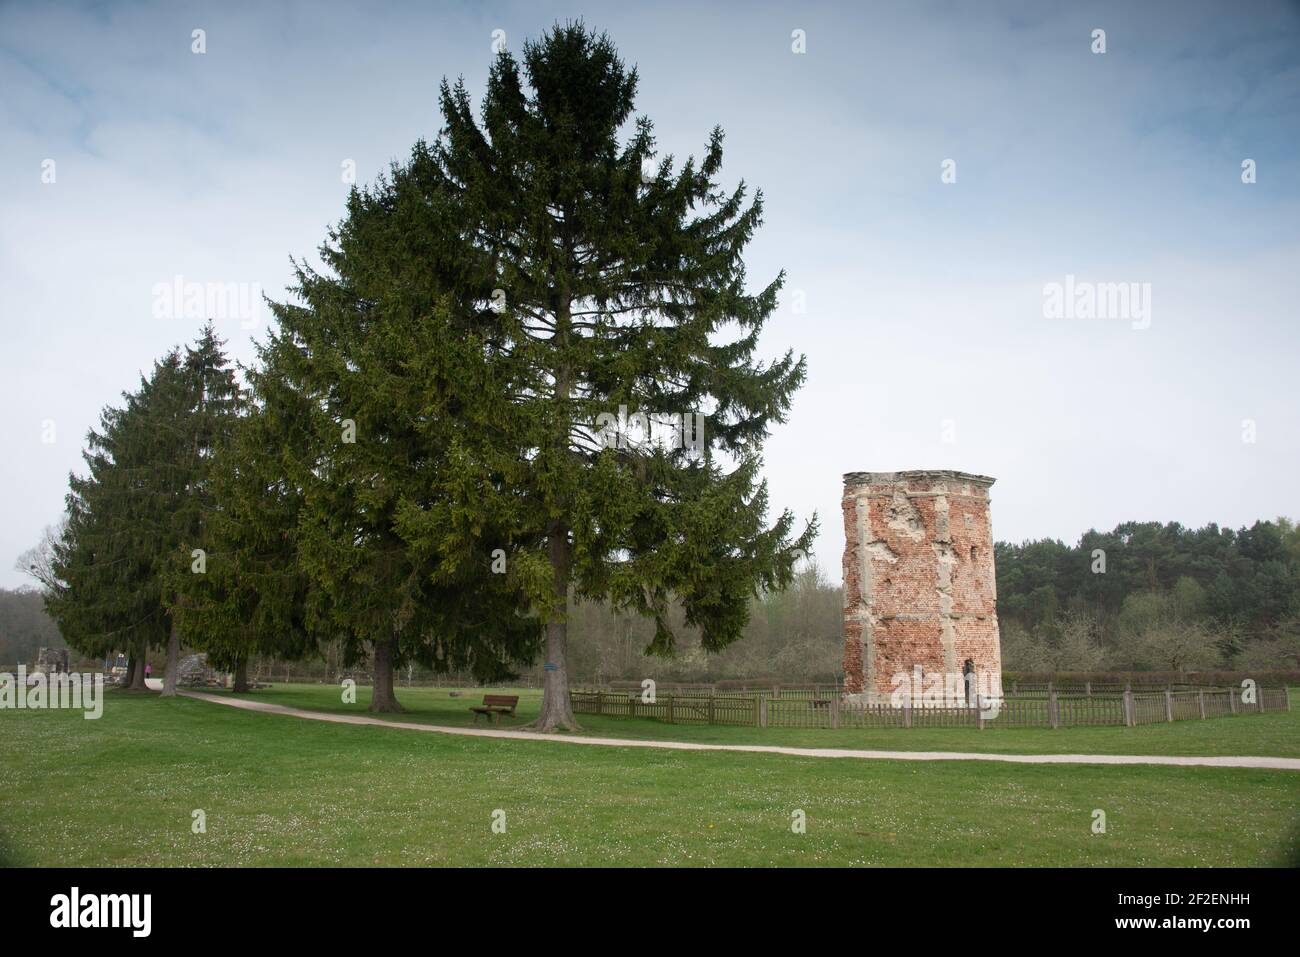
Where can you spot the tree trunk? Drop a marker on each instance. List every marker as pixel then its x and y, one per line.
pixel 135 673
pixel 131 663
pixel 382 698
pixel 557 707
pixel 241 676
pixel 173 662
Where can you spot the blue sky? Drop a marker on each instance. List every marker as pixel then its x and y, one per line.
pixel 923 316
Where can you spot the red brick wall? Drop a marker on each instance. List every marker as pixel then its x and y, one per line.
pixel 918 577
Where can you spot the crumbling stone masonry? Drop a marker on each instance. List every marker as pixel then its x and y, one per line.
pixel 919 587
pixel 50 661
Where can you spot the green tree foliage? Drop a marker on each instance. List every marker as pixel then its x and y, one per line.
pixel 102 590
pixel 134 519
pixel 252 598
pixel 1164 631
pixel 404 524
pixel 1245 577
pixel 598 281
pixel 191 425
pixel 1169 597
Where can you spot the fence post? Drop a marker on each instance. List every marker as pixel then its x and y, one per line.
pixel 1130 717
pixel 762 712
pixel 907 711
pixel 1287 689
pixel 670 709
pixel 600 702
pixel 710 707
pixel 1232 700
pixel 979 714
pixel 1200 700
pixel 835 711
pixel 1052 714
pixel 1169 705
pixel 1087 687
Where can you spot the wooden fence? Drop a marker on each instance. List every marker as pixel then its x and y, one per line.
pixel 762 709
pixel 775 690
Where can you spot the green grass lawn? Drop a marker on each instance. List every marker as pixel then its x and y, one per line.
pixel 1272 734
pixel 120 791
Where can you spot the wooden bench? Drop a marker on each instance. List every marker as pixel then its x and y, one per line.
pixel 495 705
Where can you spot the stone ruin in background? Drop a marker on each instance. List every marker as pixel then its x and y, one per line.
pixel 192 671
pixel 51 661
pixel 919 586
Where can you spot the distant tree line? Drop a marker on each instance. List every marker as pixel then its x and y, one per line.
pixel 1148 596
pixel 1171 599
pixel 25 627
pixel 793 635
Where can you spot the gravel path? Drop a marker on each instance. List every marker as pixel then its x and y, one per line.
pixel 1282 764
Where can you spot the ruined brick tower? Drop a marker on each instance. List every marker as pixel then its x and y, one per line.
pixel 918 578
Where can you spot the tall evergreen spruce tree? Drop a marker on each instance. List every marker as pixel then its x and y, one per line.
pixel 102 592
pixel 135 518
pixel 595 280
pixel 254 598
pixel 193 425
pixel 403 506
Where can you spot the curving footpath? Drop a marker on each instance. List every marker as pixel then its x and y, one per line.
pixel 1215 761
